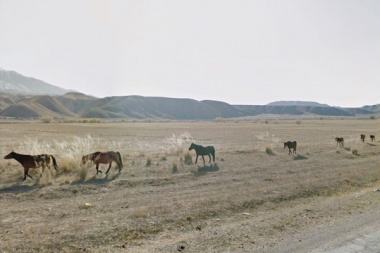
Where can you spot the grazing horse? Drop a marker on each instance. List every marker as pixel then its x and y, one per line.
pixel 362 137
pixel 32 161
pixel 372 137
pixel 104 158
pixel 290 145
pixel 200 150
pixel 339 141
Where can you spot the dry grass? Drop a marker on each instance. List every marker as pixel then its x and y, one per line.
pixel 148 161
pixel 245 194
pixel 188 159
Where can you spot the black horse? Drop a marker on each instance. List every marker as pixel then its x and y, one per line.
pixel 290 145
pixel 339 141
pixel 200 150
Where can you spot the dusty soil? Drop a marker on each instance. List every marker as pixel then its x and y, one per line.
pixel 254 198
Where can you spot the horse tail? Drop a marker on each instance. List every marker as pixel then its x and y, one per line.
pixel 213 153
pixel 54 163
pixel 121 162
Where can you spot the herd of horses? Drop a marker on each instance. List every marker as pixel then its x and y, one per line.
pixel 340 140
pixel 44 160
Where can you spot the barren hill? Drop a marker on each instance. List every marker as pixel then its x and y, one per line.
pixel 298 103
pixel 74 104
pixel 15 83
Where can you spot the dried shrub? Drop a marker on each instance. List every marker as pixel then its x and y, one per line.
pixel 220 119
pixel 46 119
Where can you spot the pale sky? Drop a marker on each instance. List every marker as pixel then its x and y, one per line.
pixel 240 52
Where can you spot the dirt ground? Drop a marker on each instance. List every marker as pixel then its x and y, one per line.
pixel 254 198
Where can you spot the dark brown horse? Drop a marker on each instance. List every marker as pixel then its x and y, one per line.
pixel 32 161
pixel 104 158
pixel 200 150
pixel 291 145
pixel 372 137
pixel 339 141
pixel 362 137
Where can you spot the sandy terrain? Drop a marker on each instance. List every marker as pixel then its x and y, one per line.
pixel 254 198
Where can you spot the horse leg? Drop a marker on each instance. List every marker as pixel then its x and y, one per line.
pixel 210 158
pixel 97 169
pixel 43 170
pixel 26 173
pixel 25 169
pixel 204 163
pixel 196 159
pixel 109 167
pixel 289 152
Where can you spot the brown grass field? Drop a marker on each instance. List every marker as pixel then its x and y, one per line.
pixel 255 198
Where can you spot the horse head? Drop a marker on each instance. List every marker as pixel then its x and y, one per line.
pixel 191 146
pixel 285 144
pixel 10 155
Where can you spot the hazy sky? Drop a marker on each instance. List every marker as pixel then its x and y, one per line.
pixel 240 52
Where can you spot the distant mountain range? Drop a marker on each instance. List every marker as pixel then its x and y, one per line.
pixel 14 83
pixel 297 103
pixel 22 96
pixel 77 105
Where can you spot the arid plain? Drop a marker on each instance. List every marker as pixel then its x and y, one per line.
pixel 254 198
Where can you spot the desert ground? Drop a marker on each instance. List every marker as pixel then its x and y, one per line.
pixel 255 197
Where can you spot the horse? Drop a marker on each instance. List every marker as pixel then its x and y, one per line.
pixel 104 158
pixel 372 137
pixel 339 141
pixel 200 150
pixel 32 162
pixel 291 145
pixel 362 137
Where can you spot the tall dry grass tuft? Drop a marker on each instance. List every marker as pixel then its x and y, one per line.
pixel 175 145
pixel 269 141
pixel 82 173
pixel 188 158
pixel 46 178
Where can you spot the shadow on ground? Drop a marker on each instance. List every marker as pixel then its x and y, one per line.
pixel 97 180
pixel 18 188
pixel 206 169
pixel 299 157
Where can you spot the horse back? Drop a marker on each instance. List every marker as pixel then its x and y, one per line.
pixel 200 150
pixel 31 161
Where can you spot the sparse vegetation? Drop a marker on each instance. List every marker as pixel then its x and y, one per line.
pixel 372 117
pixel 298 122
pixel 269 151
pixel 355 152
pixel 193 195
